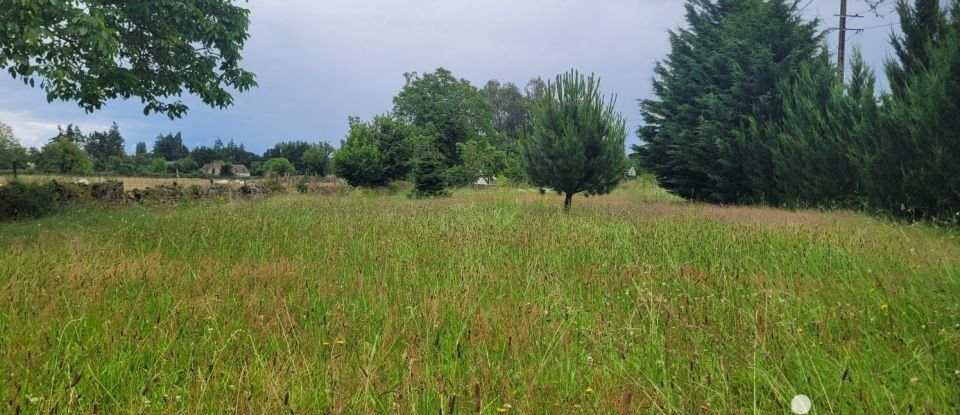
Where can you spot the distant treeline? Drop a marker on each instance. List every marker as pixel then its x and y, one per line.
pixel 749 109
pixel 470 132
pixel 73 152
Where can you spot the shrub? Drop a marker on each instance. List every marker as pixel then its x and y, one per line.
pixel 303 185
pixel 25 200
pixel 64 193
pixel 274 185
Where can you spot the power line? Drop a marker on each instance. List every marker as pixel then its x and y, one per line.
pixel 875 8
pixel 879 26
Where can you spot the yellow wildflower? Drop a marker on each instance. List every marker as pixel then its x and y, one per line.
pixel 341 341
pixel 588 390
pixel 884 307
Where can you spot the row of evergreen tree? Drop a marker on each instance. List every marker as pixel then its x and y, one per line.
pixel 749 109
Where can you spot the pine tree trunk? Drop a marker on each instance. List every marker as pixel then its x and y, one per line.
pixel 567 201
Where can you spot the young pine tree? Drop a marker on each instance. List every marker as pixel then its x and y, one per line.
pixel 576 142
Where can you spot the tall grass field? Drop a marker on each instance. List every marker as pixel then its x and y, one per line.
pixel 485 302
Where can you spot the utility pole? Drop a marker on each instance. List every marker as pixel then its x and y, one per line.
pixel 842 44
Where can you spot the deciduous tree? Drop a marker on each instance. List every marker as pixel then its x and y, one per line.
pixel 290 150
pixel 316 159
pixel 91 51
pixel 453 106
pixel 12 154
pixel 64 156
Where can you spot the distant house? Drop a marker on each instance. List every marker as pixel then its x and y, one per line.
pixel 483 181
pixel 212 169
pixel 216 169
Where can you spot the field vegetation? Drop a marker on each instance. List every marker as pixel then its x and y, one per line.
pixel 488 301
pixel 436 274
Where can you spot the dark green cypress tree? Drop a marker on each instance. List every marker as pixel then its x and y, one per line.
pixel 576 141
pixel 922 25
pixel 915 169
pixel 719 79
pixel 814 146
pixel 921 146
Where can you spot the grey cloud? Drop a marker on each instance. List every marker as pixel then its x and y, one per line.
pixel 319 62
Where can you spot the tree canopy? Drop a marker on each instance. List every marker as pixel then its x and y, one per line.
pixel 377 152
pixel 279 166
pixel 170 147
pixel 62 155
pixel 510 107
pixel 91 51
pixel 453 106
pixel 316 159
pixel 103 145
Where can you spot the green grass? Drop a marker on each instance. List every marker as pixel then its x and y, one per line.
pixel 362 303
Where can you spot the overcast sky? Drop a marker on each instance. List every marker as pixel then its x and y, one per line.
pixel 318 62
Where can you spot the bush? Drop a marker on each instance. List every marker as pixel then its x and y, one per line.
pixel 279 166
pixel 274 185
pixel 25 200
pixel 185 165
pixel 303 185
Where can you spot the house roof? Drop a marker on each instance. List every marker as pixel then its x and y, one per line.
pixel 210 166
